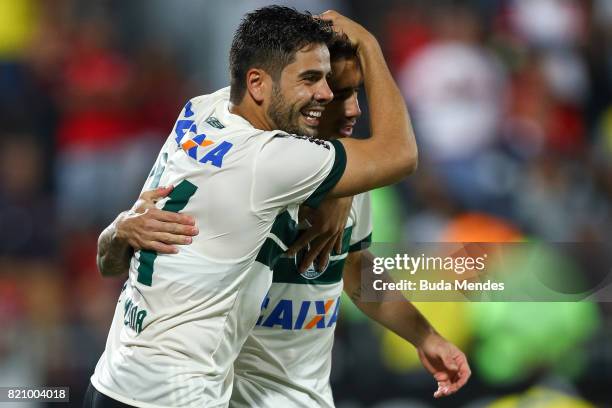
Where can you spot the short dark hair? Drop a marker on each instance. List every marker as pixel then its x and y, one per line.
pixel 340 47
pixel 268 38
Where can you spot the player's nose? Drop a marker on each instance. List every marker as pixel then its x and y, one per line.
pixel 323 93
pixel 352 109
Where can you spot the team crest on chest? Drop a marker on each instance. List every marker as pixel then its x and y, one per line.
pixel 311 272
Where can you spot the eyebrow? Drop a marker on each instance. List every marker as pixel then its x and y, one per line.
pixel 349 88
pixel 311 73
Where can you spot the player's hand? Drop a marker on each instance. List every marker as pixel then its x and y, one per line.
pixel 356 33
pixel 326 231
pixel 147 227
pixel 446 363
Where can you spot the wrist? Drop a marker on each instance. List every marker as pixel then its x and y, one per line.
pixel 424 336
pixel 118 235
pixel 367 43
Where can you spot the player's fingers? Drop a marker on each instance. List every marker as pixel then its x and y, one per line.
pixel 323 259
pixel 169 216
pixel 303 240
pixel 330 15
pixel 311 255
pixel 338 243
pixel 160 248
pixel 135 244
pixel 450 389
pixel 440 391
pixel 164 221
pixel 444 389
pixel 443 385
pixel 464 373
pixel 143 206
pixel 161 192
pixel 458 381
pixel 167 238
pixel 441 376
pixel 178 229
pixel 157 193
pixel 151 226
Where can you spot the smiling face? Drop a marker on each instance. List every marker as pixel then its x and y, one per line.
pixel 301 93
pixel 341 114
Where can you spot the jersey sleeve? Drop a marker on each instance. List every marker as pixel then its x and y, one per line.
pixel 361 235
pixel 296 170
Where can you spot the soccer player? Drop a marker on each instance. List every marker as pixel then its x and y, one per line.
pixel 286 359
pixel 182 318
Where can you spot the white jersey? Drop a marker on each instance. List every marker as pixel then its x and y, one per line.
pixel 286 360
pixel 183 318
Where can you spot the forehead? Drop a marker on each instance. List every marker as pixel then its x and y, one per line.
pixel 346 73
pixel 313 57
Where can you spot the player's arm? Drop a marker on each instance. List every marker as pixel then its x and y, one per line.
pixel 287 167
pixel 441 358
pixel 390 153
pixel 114 254
pixel 144 227
pixel 325 233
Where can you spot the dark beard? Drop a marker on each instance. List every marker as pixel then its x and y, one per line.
pixel 287 117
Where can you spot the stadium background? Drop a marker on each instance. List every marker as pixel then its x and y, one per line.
pixel 511 102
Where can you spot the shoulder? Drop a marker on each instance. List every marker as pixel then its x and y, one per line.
pixel 302 146
pixel 299 140
pixel 221 94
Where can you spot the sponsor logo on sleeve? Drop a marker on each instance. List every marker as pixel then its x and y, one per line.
pixel 196 144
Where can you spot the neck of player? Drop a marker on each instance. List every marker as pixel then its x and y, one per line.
pixel 255 115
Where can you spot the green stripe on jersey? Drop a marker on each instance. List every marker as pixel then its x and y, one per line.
pixel 332 178
pixel 284 269
pixel 178 199
pixel 286 230
pixel 362 244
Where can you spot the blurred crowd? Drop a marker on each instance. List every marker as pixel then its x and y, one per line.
pixel 511 103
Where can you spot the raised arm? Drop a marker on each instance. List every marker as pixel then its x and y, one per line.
pixel 390 153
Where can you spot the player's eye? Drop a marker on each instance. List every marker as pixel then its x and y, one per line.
pixel 342 95
pixel 311 78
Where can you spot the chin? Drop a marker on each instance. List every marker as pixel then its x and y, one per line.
pixel 310 132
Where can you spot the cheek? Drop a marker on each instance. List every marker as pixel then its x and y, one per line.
pixel 301 94
pixel 299 99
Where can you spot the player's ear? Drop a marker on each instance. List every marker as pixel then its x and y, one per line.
pixel 258 84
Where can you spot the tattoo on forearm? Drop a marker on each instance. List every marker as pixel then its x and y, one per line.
pixel 113 257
